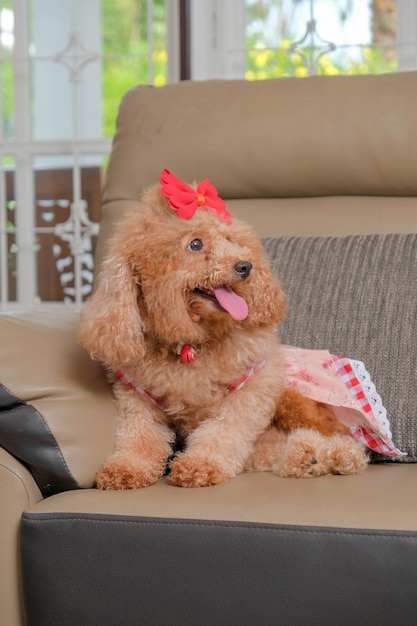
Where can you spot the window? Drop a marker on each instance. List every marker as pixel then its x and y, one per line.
pixel 261 39
pixel 64 67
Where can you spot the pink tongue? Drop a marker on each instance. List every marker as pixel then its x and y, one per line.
pixel 234 304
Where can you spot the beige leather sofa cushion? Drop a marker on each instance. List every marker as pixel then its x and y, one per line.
pixel 268 139
pixel 66 428
pixel 318 156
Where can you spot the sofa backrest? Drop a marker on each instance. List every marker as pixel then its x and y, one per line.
pixel 316 156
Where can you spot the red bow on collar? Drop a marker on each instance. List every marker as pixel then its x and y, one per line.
pixel 185 200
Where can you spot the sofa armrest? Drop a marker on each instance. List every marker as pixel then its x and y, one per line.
pixel 18 492
pixel 56 409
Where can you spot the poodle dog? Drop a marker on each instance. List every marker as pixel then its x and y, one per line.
pixel 184 316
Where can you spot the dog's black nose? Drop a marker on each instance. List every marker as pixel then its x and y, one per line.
pixel 243 268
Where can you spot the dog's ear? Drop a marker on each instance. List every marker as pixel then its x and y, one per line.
pixel 110 328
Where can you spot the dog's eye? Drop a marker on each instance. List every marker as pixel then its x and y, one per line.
pixel 195 245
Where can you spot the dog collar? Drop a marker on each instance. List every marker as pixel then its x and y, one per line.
pixel 235 386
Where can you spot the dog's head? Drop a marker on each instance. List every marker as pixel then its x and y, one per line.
pixel 178 281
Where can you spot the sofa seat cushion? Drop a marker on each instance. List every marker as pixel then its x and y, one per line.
pixel 257 550
pixel 358 501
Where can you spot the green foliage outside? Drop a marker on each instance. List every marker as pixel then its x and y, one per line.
pixel 263 63
pixel 7 96
pixel 125 49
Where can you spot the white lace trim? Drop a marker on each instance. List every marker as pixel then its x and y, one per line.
pixel 373 397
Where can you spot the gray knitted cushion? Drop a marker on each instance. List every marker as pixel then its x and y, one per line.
pixel 357 296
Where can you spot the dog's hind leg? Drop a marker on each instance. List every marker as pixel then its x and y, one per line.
pixel 307 454
pixel 294 411
pixel 305 440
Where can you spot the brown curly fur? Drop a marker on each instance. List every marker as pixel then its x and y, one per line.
pixel 146 306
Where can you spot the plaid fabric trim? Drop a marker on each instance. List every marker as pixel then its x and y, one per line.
pixel 377 444
pixel 377 441
pixel 143 392
pixel 348 375
pixel 238 384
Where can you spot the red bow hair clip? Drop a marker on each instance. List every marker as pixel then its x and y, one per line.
pixel 185 200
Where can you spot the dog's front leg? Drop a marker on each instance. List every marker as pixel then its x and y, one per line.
pixel 143 446
pixel 218 449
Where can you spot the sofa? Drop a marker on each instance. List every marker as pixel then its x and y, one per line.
pixel 325 168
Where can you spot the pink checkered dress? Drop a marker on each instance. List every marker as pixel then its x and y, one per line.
pixel 346 387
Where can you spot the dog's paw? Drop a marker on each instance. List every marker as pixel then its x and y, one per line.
pixel 187 470
pixel 344 455
pixel 301 455
pixel 308 454
pixel 123 472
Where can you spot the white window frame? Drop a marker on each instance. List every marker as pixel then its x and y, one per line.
pixel 218 41
pixel 407 35
pixel 23 149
